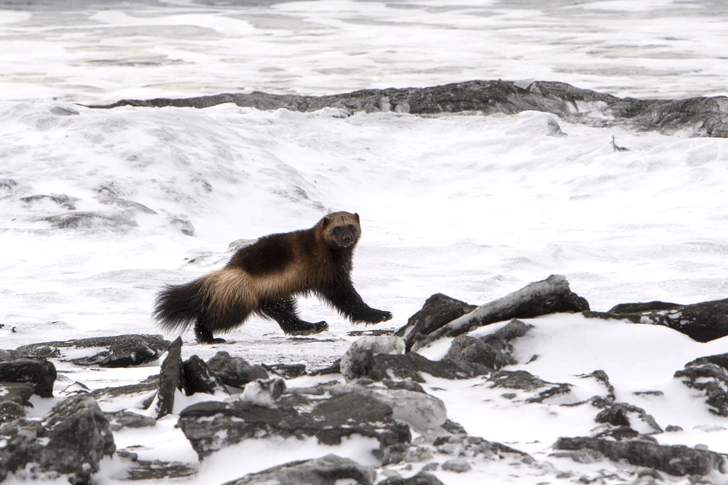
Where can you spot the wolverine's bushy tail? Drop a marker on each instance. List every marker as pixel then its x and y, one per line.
pixel 178 306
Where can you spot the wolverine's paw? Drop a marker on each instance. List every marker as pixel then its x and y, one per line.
pixel 306 328
pixel 376 316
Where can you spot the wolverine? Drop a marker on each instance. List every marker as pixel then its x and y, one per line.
pixel 265 277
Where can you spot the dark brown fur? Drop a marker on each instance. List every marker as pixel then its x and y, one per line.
pixel 264 278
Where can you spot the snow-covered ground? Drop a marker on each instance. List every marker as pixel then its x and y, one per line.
pixel 474 207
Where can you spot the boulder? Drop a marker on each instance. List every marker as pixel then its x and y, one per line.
pixel 327 470
pixel 16 368
pixel 358 359
pixel 235 371
pixel 674 460
pixel 493 351
pixel 437 311
pixel 70 440
pixel 551 295
pixel 115 351
pixel 412 365
pixel 702 322
pixel 199 378
pixel 211 426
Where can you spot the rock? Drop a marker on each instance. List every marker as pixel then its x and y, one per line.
pixel 171 379
pixel 286 371
pixel 91 220
pixel 627 415
pixel 702 322
pixel 358 359
pixel 492 351
pixel 62 200
pixel 421 411
pixel 709 375
pixel 129 419
pixel 327 470
pixel 199 378
pixel 154 469
pixel 263 392
pixel 457 465
pixel 10 411
pixel 699 116
pixel 643 307
pixel 525 381
pixel 39 372
pixel 211 426
pixel 673 460
pixel 115 351
pixel 235 371
pixel 72 438
pixel 138 395
pixel 412 365
pixel 422 478
pixel 543 297
pixel 437 311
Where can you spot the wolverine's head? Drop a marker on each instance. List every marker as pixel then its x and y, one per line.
pixel 341 229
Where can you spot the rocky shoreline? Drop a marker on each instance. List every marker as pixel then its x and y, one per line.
pixel 701 116
pixel 376 390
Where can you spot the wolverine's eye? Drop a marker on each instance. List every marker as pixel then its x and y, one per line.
pixel 350 227
pixel 336 230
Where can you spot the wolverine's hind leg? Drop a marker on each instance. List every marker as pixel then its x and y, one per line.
pixel 204 334
pixel 283 311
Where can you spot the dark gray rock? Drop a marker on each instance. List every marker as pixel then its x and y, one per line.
pixel 327 470
pixel 422 478
pixel 235 371
pixel 437 311
pixel 699 116
pixel 39 372
pixel 11 410
pixel 709 375
pixel 114 351
pixel 702 322
pixel 210 426
pixel 621 415
pixel 199 378
pixel 14 396
pixel 551 295
pixel 71 440
pixel 412 365
pixel 643 307
pixel 525 381
pixel 673 460
pixel 171 379
pixel 492 351
pixel 8 184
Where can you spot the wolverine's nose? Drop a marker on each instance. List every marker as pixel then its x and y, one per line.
pixel 346 239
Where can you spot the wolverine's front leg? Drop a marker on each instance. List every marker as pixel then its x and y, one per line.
pixel 344 298
pixel 283 311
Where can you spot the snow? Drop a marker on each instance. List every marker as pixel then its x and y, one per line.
pixel 474 207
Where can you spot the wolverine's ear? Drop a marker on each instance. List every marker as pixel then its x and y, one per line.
pixel 356 216
pixel 326 221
